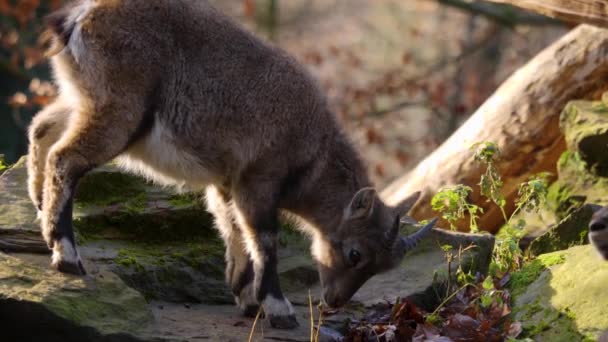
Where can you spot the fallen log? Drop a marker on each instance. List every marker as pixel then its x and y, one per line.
pixel 522 117
pixel 594 12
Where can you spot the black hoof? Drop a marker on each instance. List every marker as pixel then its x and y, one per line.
pixel 70 268
pixel 283 322
pixel 251 311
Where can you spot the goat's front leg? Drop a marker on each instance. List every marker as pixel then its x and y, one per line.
pixel 239 267
pixel 45 130
pixel 92 138
pixel 256 213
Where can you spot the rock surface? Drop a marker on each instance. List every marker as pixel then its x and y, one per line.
pixel 562 296
pixel 37 303
pixel 585 126
pixel 572 230
pixel 156 269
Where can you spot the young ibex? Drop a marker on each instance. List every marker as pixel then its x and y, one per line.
pixel 598 231
pixel 184 96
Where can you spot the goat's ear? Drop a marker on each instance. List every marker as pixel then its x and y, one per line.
pixel 362 204
pixel 406 205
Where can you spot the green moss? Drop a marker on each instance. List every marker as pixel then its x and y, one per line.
pixel 106 188
pixel 570 231
pixel 127 260
pixel 103 303
pixel 175 271
pixel 565 301
pixel 571 160
pixel 3 165
pixel 186 199
pixel 195 255
pixel 137 204
pixel 554 326
pixel 148 225
pixel 575 185
pixel 585 127
pixel 110 307
pixel 531 271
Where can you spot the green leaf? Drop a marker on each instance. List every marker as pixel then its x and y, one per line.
pixel 447 248
pixel 488 283
pixel 486 300
pixel 486 151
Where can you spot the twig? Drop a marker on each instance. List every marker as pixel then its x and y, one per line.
pixel 450 298
pixel 319 323
pixel 257 316
pixel 312 319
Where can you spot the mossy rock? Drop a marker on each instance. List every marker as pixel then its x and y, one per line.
pixel 111 204
pixel 185 272
pixel 108 205
pixel 571 231
pixel 585 126
pixel 16 209
pixel 561 297
pixel 194 271
pixel 576 185
pixel 37 301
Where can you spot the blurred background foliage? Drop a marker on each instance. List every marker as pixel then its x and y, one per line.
pixel 24 85
pixel 401 75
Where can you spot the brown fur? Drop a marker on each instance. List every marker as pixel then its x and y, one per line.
pixel 185 97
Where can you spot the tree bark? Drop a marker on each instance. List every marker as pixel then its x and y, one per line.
pixel 594 12
pixel 522 117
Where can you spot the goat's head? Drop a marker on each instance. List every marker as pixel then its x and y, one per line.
pixel 367 242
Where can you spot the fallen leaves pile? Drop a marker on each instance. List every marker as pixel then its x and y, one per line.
pixel 475 312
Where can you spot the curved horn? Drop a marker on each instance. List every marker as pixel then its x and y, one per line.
pixel 409 242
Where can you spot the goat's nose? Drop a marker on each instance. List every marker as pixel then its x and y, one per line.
pixel 597 226
pixel 333 301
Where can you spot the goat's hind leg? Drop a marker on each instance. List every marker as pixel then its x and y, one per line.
pixel 44 131
pixel 92 139
pixel 239 267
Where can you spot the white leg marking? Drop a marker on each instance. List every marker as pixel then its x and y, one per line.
pixel 277 307
pixel 63 250
pixel 246 298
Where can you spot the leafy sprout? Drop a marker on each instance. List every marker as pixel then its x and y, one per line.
pixel 452 204
pixel 533 193
pixel 490 182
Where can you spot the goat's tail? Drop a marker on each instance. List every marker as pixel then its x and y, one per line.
pixel 59 27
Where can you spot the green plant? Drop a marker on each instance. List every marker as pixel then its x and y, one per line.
pixel 533 193
pixel 3 166
pixel 452 204
pixel 490 295
pixel 507 255
pixel 490 182
pixel 485 296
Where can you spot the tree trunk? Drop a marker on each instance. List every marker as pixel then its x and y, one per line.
pixel 522 117
pixel 594 12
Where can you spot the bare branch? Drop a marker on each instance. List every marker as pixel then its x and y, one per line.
pixel 504 15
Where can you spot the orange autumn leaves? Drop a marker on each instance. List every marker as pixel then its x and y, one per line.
pixel 24 10
pixel 20 25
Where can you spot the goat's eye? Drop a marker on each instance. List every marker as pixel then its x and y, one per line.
pixel 354 256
